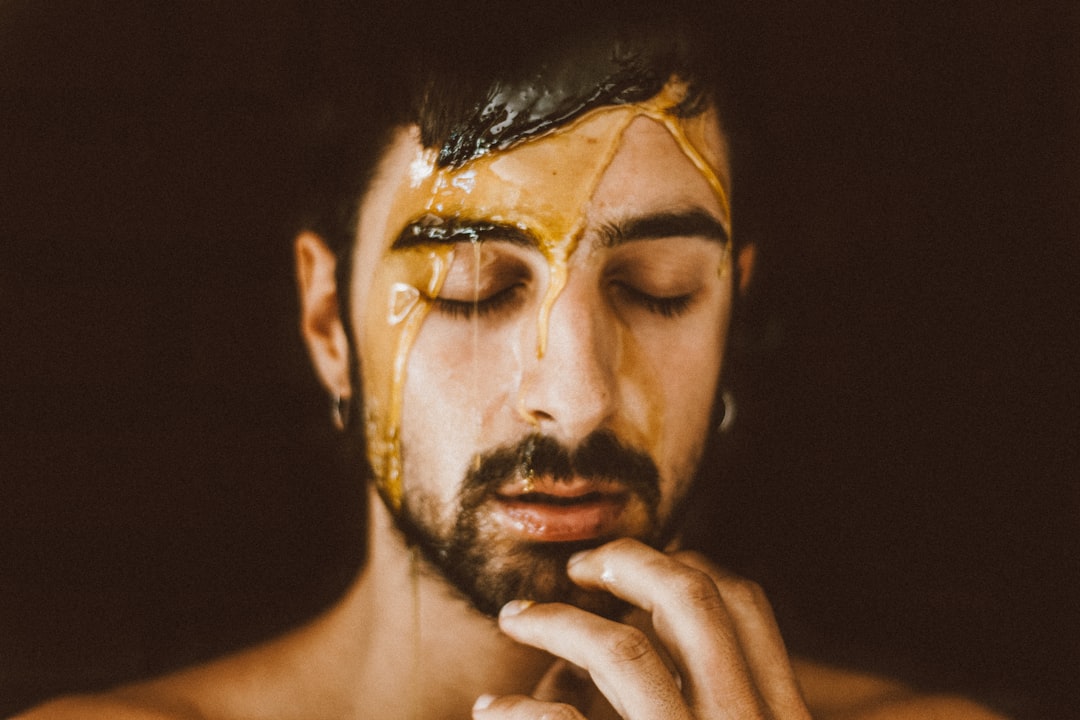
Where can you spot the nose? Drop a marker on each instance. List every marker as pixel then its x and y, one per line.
pixel 570 389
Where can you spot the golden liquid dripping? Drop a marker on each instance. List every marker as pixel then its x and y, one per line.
pixel 542 185
pixel 526 469
pixel 478 415
pixel 407 308
pixel 417 674
pixel 558 250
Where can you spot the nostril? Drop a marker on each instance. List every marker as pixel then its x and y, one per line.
pixel 532 416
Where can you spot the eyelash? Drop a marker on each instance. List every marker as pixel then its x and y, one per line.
pixel 466 309
pixel 668 307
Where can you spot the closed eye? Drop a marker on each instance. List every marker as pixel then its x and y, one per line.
pixel 480 307
pixel 668 307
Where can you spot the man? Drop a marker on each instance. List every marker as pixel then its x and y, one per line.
pixel 526 326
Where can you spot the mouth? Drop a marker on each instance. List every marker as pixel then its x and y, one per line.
pixel 545 510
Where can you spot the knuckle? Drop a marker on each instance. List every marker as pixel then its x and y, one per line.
pixel 628 644
pixel 746 593
pixel 697 590
pixel 692 558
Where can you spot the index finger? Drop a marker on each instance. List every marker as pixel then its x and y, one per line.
pixel 623 663
pixel 689 616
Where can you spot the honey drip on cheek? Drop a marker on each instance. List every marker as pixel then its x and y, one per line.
pixel 406 308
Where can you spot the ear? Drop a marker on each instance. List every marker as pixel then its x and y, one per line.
pixel 745 260
pixel 320 319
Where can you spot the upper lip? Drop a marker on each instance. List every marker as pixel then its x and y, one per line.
pixel 545 487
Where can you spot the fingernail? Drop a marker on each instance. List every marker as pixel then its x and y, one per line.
pixel 514 607
pixel 577 557
pixel 483 701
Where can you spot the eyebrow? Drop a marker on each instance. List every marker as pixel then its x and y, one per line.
pixel 435 230
pixel 694 222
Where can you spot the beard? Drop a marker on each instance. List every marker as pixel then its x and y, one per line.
pixel 490 568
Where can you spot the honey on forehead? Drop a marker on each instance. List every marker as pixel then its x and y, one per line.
pixel 542 185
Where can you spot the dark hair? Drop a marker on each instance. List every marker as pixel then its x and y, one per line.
pixel 465 116
pixel 482 79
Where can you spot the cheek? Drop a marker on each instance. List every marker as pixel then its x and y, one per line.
pixel 458 396
pixel 451 379
pixel 688 382
pixel 391 313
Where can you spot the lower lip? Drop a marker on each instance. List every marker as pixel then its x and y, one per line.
pixel 541 522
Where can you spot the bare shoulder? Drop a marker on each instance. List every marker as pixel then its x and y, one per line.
pixel 193 694
pixel 116 705
pixel 836 694
pixel 244 685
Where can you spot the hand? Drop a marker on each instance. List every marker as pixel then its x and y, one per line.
pixel 715 651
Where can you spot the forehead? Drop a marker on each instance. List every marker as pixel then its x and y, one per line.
pixel 551 186
pixel 654 169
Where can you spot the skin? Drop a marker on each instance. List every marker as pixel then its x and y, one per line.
pixel 561 190
pixel 699 643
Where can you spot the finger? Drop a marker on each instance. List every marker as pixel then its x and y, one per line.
pixel 522 707
pixel 622 662
pixel 643 621
pixel 690 618
pixel 758 633
pixel 567 683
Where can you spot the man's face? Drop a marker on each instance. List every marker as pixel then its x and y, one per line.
pixel 540 335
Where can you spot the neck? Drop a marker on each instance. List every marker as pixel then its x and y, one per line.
pixel 417 650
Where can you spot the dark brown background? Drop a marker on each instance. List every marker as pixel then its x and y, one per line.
pixel 904 475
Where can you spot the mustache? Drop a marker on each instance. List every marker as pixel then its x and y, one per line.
pixel 600 456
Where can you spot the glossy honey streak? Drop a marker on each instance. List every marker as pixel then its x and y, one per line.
pixel 543 186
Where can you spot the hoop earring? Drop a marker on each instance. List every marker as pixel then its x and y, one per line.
pixel 339 411
pixel 727 412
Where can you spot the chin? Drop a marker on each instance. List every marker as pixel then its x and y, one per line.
pixel 493 571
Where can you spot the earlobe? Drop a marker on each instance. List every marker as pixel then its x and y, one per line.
pixel 320 316
pixel 745 260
